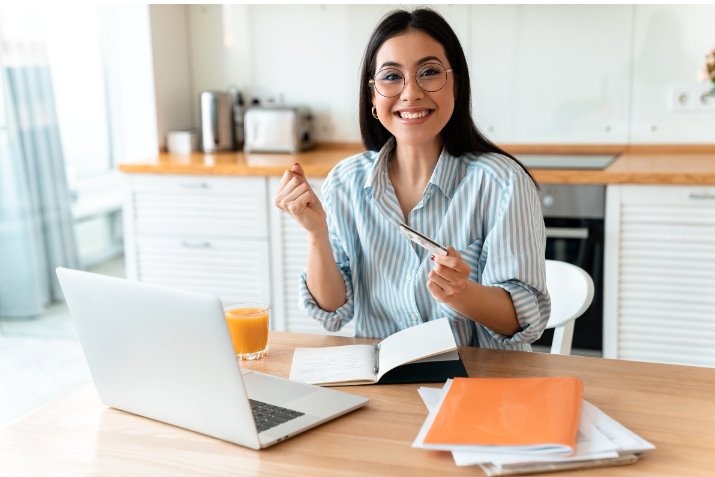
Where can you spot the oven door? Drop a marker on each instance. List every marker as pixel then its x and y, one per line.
pixel 580 242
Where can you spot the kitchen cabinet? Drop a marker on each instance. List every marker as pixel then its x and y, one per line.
pixel 218 235
pixel 289 251
pixel 660 274
pixel 578 92
pixel 199 233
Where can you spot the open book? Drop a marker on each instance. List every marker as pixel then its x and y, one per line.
pixel 423 353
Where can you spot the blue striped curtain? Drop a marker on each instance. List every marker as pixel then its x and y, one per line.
pixel 36 225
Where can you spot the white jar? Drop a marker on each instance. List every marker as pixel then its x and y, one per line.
pixel 182 142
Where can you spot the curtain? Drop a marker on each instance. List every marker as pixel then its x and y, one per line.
pixel 36 224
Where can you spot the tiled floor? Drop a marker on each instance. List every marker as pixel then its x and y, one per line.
pixel 41 359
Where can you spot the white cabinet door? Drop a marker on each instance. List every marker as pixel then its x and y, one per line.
pixel 289 253
pixel 551 73
pixel 236 270
pixel 660 274
pixel 199 233
pixel 200 205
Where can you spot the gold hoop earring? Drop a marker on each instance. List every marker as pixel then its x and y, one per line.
pixel 374 113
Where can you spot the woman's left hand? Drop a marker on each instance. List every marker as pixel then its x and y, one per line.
pixel 449 278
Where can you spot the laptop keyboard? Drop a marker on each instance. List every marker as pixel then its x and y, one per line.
pixel 267 415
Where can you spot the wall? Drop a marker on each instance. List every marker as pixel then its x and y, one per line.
pixel 172 72
pixel 669 45
pixel 130 95
pixel 540 73
pixel 130 87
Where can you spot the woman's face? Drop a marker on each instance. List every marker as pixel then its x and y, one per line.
pixel 415 117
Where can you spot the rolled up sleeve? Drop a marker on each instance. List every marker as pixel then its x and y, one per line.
pixel 515 260
pixel 331 320
pixel 334 204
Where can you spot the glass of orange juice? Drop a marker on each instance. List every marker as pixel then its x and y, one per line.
pixel 248 326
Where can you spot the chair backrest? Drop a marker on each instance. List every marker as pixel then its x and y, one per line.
pixel 571 290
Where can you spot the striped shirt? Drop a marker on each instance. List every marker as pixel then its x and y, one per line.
pixel 485 206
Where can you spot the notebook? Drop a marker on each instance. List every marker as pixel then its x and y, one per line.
pixel 167 355
pixel 530 415
pixel 423 353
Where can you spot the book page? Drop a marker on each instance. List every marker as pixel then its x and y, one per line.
pixel 350 364
pixel 411 344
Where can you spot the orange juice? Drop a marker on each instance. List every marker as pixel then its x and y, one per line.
pixel 248 326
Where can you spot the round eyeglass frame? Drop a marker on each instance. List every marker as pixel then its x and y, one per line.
pixel 405 78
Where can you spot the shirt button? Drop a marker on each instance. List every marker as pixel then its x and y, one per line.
pixel 409 278
pixel 415 317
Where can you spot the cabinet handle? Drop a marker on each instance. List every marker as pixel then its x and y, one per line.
pixel 188 244
pixel 194 185
pixel 567 232
pixel 702 195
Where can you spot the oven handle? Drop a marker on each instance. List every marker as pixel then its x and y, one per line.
pixel 567 232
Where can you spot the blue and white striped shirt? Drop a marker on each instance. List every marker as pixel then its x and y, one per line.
pixel 485 206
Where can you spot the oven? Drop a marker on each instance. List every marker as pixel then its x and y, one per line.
pixel 574 218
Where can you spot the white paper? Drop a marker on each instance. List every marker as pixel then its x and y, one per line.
pixel 436 401
pixel 449 356
pixel 333 364
pixel 590 444
pixel 626 440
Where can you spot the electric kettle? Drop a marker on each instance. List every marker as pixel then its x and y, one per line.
pixel 217 121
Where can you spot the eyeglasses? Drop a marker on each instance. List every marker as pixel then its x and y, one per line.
pixel 389 82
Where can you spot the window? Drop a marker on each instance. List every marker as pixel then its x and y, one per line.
pixel 76 62
pixel 100 64
pixel 68 46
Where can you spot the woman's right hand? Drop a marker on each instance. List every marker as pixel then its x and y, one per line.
pixel 296 197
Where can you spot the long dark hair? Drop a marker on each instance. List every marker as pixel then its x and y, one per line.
pixel 460 135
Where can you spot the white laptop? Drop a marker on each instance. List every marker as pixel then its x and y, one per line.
pixel 167 355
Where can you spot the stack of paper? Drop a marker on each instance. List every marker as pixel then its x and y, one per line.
pixel 599 439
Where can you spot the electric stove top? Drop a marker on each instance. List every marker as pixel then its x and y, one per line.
pixel 565 161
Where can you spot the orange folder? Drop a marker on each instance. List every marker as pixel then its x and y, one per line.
pixel 518 412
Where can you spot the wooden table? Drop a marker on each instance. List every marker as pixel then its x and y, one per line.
pixel 671 406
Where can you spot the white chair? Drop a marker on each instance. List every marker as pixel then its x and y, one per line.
pixel 571 290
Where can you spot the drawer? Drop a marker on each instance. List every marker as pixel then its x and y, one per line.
pixel 699 196
pixel 197 184
pixel 234 270
pixel 199 206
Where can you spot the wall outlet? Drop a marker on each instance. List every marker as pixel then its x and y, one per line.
pixel 693 97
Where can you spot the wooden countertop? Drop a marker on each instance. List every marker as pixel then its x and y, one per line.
pixel 669 405
pixel 636 164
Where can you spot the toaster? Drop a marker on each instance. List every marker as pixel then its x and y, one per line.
pixel 277 129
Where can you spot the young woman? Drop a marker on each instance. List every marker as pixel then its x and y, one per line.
pixel 428 166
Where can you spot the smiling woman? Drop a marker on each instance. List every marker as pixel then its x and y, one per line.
pixel 428 166
pixel 401 103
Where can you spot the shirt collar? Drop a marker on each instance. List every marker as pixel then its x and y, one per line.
pixel 443 176
pixel 445 172
pixel 378 173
